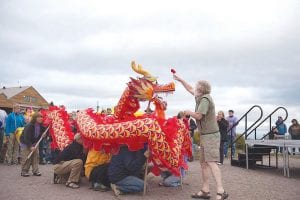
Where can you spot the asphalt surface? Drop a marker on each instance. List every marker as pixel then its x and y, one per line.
pixel 241 184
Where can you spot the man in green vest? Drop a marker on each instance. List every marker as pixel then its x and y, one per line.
pixel 209 137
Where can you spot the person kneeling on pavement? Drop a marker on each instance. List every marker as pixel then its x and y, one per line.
pixel 69 164
pixel 170 180
pixel 96 167
pixel 30 136
pixel 125 169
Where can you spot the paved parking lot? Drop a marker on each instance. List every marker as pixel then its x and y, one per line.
pixel 241 184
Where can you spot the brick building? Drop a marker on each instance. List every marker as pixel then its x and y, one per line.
pixel 25 96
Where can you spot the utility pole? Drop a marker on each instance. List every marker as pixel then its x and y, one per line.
pixel 97 106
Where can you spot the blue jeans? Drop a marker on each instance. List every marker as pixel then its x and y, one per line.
pixel 1 137
pixel 130 184
pixel 193 146
pixel 226 144
pixel 41 150
pixel 170 180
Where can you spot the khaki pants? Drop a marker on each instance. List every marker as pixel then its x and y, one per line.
pixel 12 149
pixel 72 167
pixel 33 160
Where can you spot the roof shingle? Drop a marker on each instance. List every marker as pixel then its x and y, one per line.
pixel 13 91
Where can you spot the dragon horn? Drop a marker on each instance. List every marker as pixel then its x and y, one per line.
pixel 139 69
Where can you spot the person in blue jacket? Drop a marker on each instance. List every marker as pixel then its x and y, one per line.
pixel 13 121
pixel 281 127
pixel 125 169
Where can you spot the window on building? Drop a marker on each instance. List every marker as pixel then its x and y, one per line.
pixel 26 99
pixel 33 99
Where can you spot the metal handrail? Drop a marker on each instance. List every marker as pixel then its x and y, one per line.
pixel 270 117
pixel 246 125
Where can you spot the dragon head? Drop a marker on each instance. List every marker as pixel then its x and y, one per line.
pixel 146 88
pixel 142 89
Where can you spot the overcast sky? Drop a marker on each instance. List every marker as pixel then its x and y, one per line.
pixel 79 52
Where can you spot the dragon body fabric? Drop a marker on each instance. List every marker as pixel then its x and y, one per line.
pixel 168 140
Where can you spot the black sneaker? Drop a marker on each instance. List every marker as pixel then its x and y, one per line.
pixel 14 162
pixel 8 163
pixel 191 159
pixel 42 162
pixel 100 187
pixel 37 174
pixel 25 174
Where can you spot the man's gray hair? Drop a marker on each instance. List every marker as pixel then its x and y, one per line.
pixel 202 87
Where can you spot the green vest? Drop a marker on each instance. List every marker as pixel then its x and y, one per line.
pixel 208 123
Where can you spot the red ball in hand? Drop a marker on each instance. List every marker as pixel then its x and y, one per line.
pixel 173 71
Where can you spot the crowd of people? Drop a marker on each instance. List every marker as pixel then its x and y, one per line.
pixel 12 127
pixel 280 129
pixel 124 172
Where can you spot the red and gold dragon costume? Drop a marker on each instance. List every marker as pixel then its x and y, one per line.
pixel 168 139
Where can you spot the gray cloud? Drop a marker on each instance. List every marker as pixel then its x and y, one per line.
pixel 79 54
